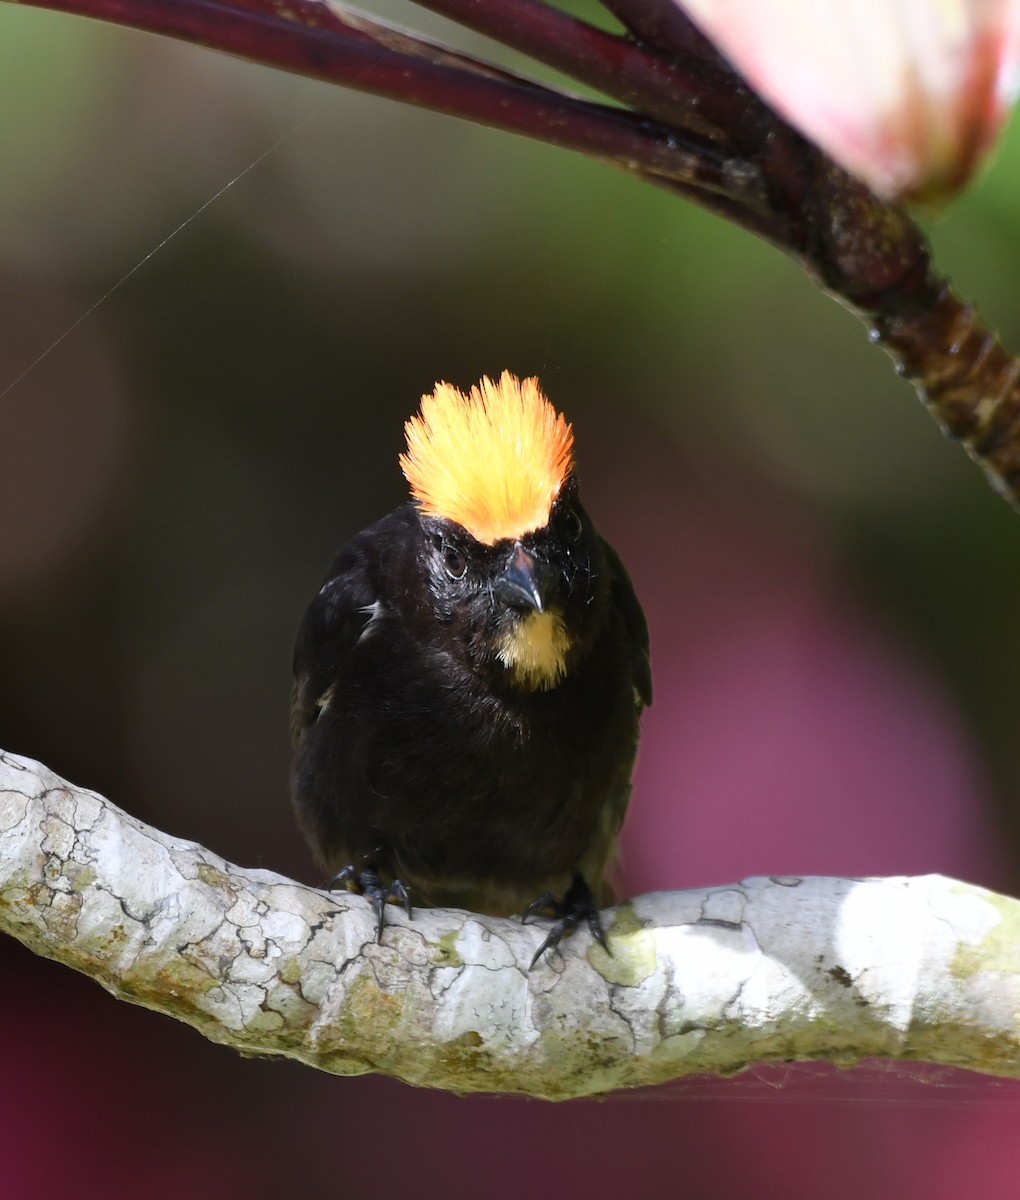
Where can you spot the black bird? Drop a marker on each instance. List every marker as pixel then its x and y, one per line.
pixel 469 680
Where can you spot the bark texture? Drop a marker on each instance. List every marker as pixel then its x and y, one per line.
pixel 698 981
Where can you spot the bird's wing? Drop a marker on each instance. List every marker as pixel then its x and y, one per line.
pixel 330 629
pixel 634 620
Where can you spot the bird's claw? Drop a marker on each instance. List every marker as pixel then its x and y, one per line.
pixel 368 883
pixel 577 905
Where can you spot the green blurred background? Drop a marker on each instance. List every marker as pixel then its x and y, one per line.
pixel 180 466
pixel 233 410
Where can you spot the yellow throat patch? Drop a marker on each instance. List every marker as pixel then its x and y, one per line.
pixel 493 461
pixel 534 651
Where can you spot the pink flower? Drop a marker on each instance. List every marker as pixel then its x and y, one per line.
pixel 907 95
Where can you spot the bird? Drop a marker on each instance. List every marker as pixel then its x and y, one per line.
pixel 470 677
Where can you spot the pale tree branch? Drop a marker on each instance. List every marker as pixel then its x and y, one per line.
pixel 700 981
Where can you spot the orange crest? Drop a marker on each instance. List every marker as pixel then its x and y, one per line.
pixel 493 461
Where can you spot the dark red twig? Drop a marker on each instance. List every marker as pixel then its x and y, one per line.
pixel 332 43
pixel 872 255
pixel 682 120
pixel 677 89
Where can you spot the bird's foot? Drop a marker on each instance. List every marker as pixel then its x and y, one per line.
pixel 576 906
pixel 368 884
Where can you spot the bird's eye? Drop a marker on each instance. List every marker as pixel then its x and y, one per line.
pixel 572 527
pixel 454 562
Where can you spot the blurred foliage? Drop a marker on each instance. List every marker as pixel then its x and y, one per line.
pixel 266 354
pixel 223 291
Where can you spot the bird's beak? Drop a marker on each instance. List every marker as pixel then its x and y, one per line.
pixel 521 584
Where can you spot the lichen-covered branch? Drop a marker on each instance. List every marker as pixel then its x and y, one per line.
pixel 708 981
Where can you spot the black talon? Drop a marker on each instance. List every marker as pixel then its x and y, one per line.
pixel 576 906
pixel 368 884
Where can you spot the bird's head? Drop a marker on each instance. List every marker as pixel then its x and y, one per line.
pixel 513 562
